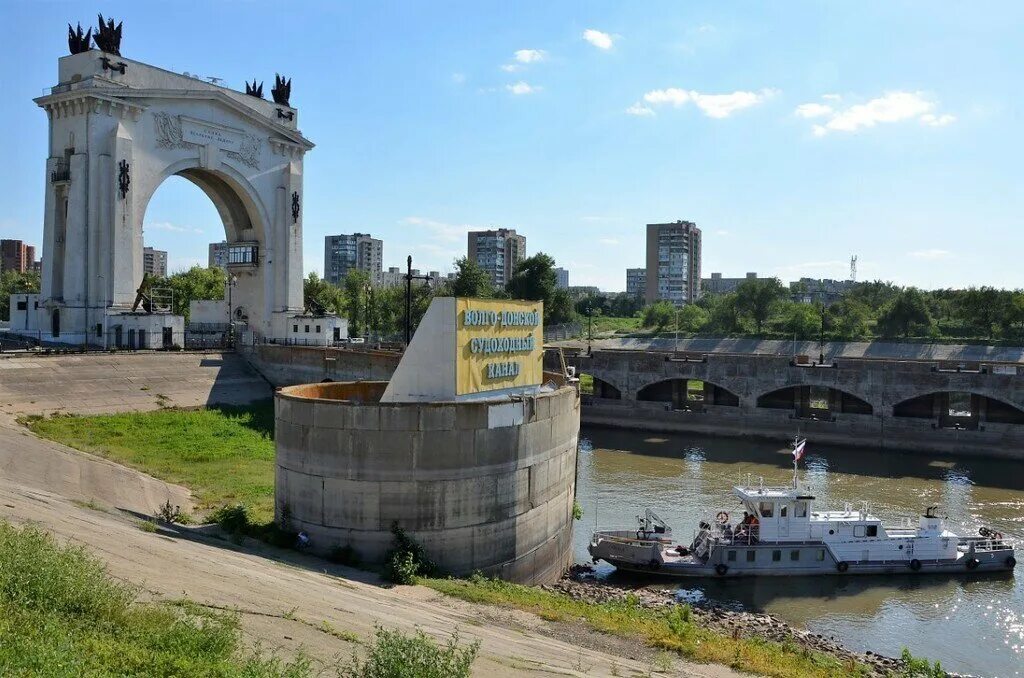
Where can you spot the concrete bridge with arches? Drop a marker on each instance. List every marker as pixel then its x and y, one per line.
pixel 939 402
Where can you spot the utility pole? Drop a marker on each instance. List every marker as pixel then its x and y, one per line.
pixel 590 325
pixel 408 297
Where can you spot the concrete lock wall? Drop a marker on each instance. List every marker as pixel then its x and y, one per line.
pixel 484 486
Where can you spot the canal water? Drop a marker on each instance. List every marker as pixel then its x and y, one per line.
pixel 971 624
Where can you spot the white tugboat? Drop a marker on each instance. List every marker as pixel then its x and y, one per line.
pixel 782 535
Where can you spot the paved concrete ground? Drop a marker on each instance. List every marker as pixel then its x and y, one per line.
pixel 121 382
pixel 287 600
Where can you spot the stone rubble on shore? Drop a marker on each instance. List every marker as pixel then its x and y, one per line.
pixel 579 584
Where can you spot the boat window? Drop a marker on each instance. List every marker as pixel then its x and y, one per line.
pixel 858 531
pixel 821 554
pixel 776 556
pixel 872 530
pixel 765 509
pixel 751 555
pixel 800 511
pixel 794 555
pixel 731 556
pixel 782 511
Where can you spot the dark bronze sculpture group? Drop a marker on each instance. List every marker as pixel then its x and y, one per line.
pixel 107 38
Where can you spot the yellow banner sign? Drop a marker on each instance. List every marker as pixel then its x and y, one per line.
pixel 499 344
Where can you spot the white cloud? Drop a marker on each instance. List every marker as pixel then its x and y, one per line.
pixel 722 232
pixel 529 56
pixel 831 97
pixel 511 68
pixel 813 110
pixel 458 78
pixel 598 39
pixel 833 268
pixel 639 109
pixel 932 254
pixel 937 120
pixel 522 88
pixel 889 108
pixel 712 105
pixel 171 228
pixel 608 241
pixel 440 230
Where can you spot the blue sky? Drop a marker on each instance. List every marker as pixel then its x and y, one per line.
pixel 795 134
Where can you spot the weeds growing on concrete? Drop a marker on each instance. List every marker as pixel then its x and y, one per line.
pixel 60 614
pixel 394 654
pixel 406 560
pixel 670 629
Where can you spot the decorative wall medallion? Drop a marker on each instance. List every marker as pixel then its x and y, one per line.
pixel 123 179
pixel 295 207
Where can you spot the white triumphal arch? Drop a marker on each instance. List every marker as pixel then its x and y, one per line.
pixel 118 129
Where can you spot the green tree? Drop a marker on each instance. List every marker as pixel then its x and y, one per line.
pixel 983 307
pixel 354 301
pixel 470 280
pixel 317 293
pixel 757 299
pixel 691 318
pixel 13 282
pixel 801 320
pixel 534 279
pixel 658 315
pixel 906 315
pixel 723 314
pixel 849 319
pixel 875 295
pixel 192 285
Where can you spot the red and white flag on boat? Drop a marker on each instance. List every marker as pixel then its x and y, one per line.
pixel 798 450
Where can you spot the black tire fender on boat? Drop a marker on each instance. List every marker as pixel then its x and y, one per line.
pixel 972 563
pixel 842 566
pixel 915 564
pixel 1011 562
pixel 721 569
pixel 654 564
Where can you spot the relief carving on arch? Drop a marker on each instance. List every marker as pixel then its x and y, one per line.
pixel 169 135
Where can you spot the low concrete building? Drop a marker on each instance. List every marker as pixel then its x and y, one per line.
pixel 24 317
pixel 317 330
pixel 716 284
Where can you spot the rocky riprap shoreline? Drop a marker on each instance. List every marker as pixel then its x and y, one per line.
pixel 580 584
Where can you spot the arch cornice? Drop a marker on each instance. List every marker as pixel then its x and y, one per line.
pixel 987 392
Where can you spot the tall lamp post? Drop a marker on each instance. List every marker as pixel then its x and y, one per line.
pixel 232 279
pixel 368 290
pixel 409 277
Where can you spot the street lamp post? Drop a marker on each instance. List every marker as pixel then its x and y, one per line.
pixel 408 297
pixel 231 319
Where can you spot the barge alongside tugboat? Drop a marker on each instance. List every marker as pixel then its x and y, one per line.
pixel 782 535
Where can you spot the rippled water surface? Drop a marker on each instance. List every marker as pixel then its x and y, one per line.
pixel 972 624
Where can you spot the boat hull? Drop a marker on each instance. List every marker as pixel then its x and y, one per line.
pixel 784 560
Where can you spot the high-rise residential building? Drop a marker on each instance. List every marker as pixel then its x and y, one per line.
pixel 218 257
pixel 673 263
pixel 716 284
pixel 15 255
pixel 561 278
pixel 356 251
pixel 636 282
pixel 497 252
pixel 154 262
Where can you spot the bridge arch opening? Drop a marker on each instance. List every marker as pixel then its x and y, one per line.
pixel 959 409
pixel 598 388
pixel 688 394
pixel 814 402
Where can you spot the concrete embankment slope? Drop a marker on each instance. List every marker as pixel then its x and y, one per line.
pixel 123 382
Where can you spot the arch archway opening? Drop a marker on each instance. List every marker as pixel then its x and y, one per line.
pixel 814 402
pixel 598 388
pixel 688 394
pixel 959 410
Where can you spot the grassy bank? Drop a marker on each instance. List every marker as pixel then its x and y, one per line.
pixel 665 629
pixel 224 455
pixel 61 615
